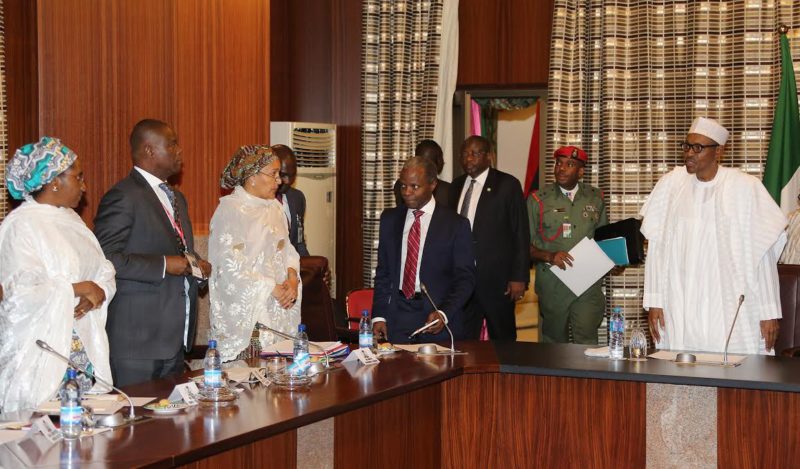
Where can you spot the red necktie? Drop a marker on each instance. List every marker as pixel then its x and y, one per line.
pixel 412 254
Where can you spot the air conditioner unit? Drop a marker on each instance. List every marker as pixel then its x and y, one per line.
pixel 314 144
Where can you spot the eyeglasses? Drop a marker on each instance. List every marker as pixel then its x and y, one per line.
pixel 696 147
pixel 271 174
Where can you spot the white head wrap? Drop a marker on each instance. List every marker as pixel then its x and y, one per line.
pixel 710 128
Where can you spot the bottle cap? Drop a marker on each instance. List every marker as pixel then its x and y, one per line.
pixel 71 373
pixel 212 343
pixel 365 312
pixel 301 328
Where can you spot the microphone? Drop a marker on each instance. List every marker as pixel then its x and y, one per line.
pixel 131 416
pixel 730 332
pixel 284 335
pixel 452 341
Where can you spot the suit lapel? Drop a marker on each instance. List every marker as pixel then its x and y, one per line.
pixel 430 237
pixel 487 194
pixel 152 200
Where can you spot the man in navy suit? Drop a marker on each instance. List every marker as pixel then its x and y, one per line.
pixel 421 243
pixel 293 200
pixel 143 226
pixel 492 201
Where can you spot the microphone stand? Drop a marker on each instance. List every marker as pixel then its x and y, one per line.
pixel 284 335
pixel 730 332
pixel 44 346
pixel 452 341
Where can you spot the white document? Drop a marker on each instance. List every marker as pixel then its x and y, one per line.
pixel 286 347
pixel 363 356
pixel 186 392
pixel 589 265
pixel 600 352
pixel 99 406
pixel 702 358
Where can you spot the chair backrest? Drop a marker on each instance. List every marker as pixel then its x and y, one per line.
pixel 789 332
pixel 316 311
pixel 357 301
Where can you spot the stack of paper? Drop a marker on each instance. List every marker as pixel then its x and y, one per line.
pixel 589 265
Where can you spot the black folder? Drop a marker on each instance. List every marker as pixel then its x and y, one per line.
pixel 628 229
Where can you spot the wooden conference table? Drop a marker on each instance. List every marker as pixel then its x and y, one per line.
pixel 500 405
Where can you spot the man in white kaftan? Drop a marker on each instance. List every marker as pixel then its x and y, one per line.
pixel 714 234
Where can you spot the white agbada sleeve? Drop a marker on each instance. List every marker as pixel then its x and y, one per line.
pixel 250 253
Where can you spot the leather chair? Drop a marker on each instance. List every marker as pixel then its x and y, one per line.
pixel 788 343
pixel 317 311
pixel 357 301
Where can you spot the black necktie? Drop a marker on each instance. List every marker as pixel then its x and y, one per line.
pixel 465 203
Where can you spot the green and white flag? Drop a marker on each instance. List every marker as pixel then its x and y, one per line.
pixel 782 174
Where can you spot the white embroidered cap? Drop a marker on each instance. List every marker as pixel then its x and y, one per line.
pixel 710 128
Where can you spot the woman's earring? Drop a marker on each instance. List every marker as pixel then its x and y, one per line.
pixel 55 188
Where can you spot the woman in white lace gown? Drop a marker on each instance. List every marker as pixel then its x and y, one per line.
pixel 255 276
pixel 56 280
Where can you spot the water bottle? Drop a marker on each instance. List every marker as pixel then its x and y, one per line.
pixel 301 359
pixel 212 366
pixel 70 417
pixel 365 331
pixel 616 334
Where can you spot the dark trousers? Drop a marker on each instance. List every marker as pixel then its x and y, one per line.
pixel 411 315
pixel 501 321
pixel 138 370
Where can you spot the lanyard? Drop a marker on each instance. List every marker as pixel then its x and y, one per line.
pixel 175 226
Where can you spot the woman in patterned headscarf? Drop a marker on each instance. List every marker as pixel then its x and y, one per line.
pixel 56 279
pixel 255 276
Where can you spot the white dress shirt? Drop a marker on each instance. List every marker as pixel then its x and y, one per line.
pixel 570 194
pixel 480 181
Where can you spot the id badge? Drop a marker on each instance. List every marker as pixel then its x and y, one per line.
pixel 196 272
pixel 566 230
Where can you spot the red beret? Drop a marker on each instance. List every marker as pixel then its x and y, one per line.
pixel 571 152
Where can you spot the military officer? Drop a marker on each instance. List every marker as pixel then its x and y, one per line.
pixel 560 216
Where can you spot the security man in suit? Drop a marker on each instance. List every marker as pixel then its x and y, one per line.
pixel 431 150
pixel 293 200
pixel 560 216
pixel 143 226
pixel 422 243
pixel 493 203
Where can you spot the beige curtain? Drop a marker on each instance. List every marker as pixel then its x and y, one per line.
pixel 400 69
pixel 628 77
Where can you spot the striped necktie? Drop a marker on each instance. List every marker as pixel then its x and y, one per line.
pixel 412 254
pixel 465 203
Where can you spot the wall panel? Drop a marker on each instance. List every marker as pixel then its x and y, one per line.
pixel 201 67
pixel 504 43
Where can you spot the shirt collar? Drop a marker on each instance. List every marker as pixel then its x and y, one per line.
pixel 426 209
pixel 481 178
pixel 154 181
pixel 574 190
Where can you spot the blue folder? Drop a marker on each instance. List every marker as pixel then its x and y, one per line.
pixel 616 250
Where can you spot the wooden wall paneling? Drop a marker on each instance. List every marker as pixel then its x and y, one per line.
pixel 222 83
pixel 469 421
pixel 757 428
pixel 310 28
pixel 279 451
pixel 346 113
pixel 21 73
pixel 528 54
pixel 280 83
pixel 401 432
pixel 201 66
pixel 481 42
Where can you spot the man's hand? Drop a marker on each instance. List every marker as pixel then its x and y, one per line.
pixel 561 259
pixel 205 267
pixel 769 331
pixel 380 331
pixel 90 296
pixel 655 319
pixel 178 265
pixel 515 290
pixel 437 328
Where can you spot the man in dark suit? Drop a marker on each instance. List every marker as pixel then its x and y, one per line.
pixel 143 226
pixel 431 150
pixel 421 243
pixel 492 201
pixel 293 200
